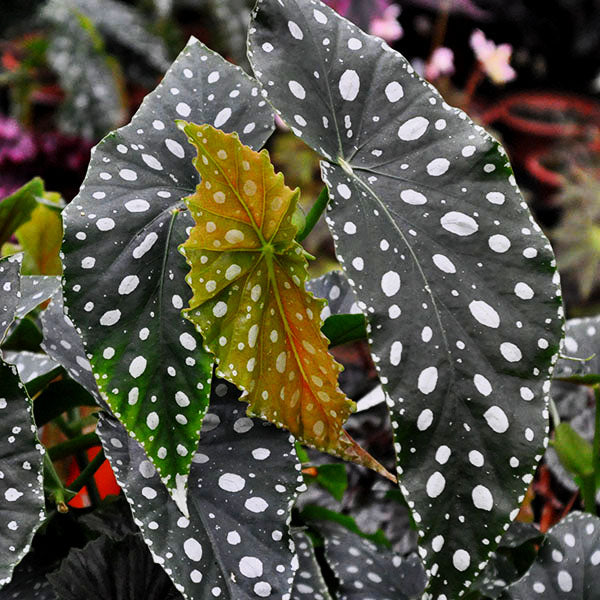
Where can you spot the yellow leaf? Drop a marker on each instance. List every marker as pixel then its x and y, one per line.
pixel 250 304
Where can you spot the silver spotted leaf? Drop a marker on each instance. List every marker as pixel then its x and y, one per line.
pixel 34 291
pixel 235 545
pixel 568 563
pixel 21 483
pixel 10 269
pixel 457 281
pixel 580 360
pixel 308 581
pixel 365 570
pixel 63 344
pixel 112 569
pixel 21 454
pixel 32 366
pixel 124 278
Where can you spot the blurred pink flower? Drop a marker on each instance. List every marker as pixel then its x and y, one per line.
pixel 495 60
pixel 440 63
pixel 386 25
pixel 380 17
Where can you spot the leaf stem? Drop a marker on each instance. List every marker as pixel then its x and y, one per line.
pixel 82 442
pixel 53 486
pixel 87 475
pixel 588 493
pixel 314 214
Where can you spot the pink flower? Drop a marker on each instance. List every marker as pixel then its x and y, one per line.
pixel 386 25
pixel 440 63
pixel 495 60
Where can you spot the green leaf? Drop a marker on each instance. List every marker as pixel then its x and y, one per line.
pixel 244 478
pixel 40 239
pixel 332 477
pixel 250 305
pixel 365 570
pixel 92 80
pixel 16 209
pixel 21 454
pixel 308 581
pixel 575 453
pixel 457 282
pixel 106 568
pixel 567 564
pixel 341 329
pixel 124 279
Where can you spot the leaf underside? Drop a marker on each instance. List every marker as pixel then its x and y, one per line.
pixel 124 280
pixel 457 282
pixel 250 304
pixel 244 479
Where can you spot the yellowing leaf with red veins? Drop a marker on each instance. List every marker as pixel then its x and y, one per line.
pixel 250 305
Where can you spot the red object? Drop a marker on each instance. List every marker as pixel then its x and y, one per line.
pixel 512 111
pixel 105 481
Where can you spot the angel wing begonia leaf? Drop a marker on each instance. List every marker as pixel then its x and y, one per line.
pixel 457 281
pixel 124 279
pixel 250 304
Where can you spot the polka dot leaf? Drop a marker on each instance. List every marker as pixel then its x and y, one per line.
pixel 249 303
pixel 580 360
pixel 568 564
pixel 243 481
pixel 124 280
pixel 10 298
pixel 308 580
pixel 34 291
pixel 365 570
pixel 457 282
pixel 63 344
pixel 21 455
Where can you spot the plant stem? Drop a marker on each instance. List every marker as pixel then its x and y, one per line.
pixel 83 463
pixel 441 26
pixel 53 486
pixel 314 214
pixel 471 85
pixel 588 493
pixel 87 475
pixel 82 442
